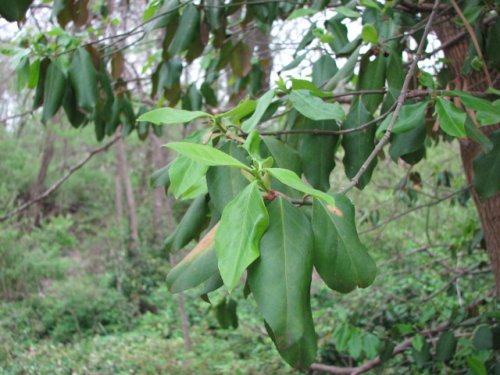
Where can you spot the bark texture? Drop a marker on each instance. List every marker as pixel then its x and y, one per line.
pixel 488 209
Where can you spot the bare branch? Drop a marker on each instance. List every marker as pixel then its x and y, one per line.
pixel 401 100
pixel 59 182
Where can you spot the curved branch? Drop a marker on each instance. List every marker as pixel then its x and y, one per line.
pixel 401 100
pixel 59 182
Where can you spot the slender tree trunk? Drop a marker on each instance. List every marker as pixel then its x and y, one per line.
pixel 488 209
pixel 38 186
pixel 122 165
pixel 159 199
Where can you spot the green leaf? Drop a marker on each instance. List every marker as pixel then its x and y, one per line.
pixel 407 144
pixel 14 10
pixel 301 12
pixel 318 154
pixel 252 144
pixel 243 222
pixel 207 155
pixel 446 346
pixel 358 145
pixel 55 82
pixel 411 116
pixel 323 69
pixel 242 110
pixel 476 365
pixel 339 256
pixel 225 313
pixel 347 12
pixel 160 177
pixel 82 76
pixel 197 267
pixel 315 108
pixel 289 178
pixel 302 84
pixel 185 173
pixel 75 117
pixel 487 170
pixel 491 117
pixel 477 135
pixel 280 282
pixel 372 75
pixel 483 338
pixel 22 72
pixel 283 155
pixel 262 104
pixel 345 72
pixel 169 116
pixel 417 342
pixel 451 119
pixel 34 74
pixel 190 225
pixel 189 25
pixel 369 34
pixel 225 183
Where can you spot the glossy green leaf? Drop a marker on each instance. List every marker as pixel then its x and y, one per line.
pixel 197 267
pixel 261 107
pixel 369 34
pixel 451 119
pixel 315 108
pixel 185 173
pixel 284 156
pixel 323 69
pixel 190 225
pixel 280 282
pixel 289 178
pixel 55 82
pixel 160 177
pixel 22 73
pixel 189 24
pixel 358 145
pixel 243 109
pixel 34 74
pixel 345 72
pixel 446 346
pixel 170 116
pixel 207 155
pixel 225 183
pixel 372 75
pixel 406 144
pixel 243 222
pixel 75 117
pixel 411 116
pixel 302 84
pixel 318 154
pixel 82 76
pixel 339 256
pixel 301 12
pixel 14 10
pixel 252 144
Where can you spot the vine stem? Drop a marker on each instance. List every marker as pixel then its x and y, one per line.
pixel 401 100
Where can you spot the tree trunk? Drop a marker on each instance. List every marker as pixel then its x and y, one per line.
pixel 159 198
pixel 488 209
pixel 37 188
pixel 122 165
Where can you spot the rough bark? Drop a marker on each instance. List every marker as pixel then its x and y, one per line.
pixel 488 209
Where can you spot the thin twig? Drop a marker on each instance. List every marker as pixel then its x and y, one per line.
pixel 473 37
pixel 59 182
pixel 400 102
